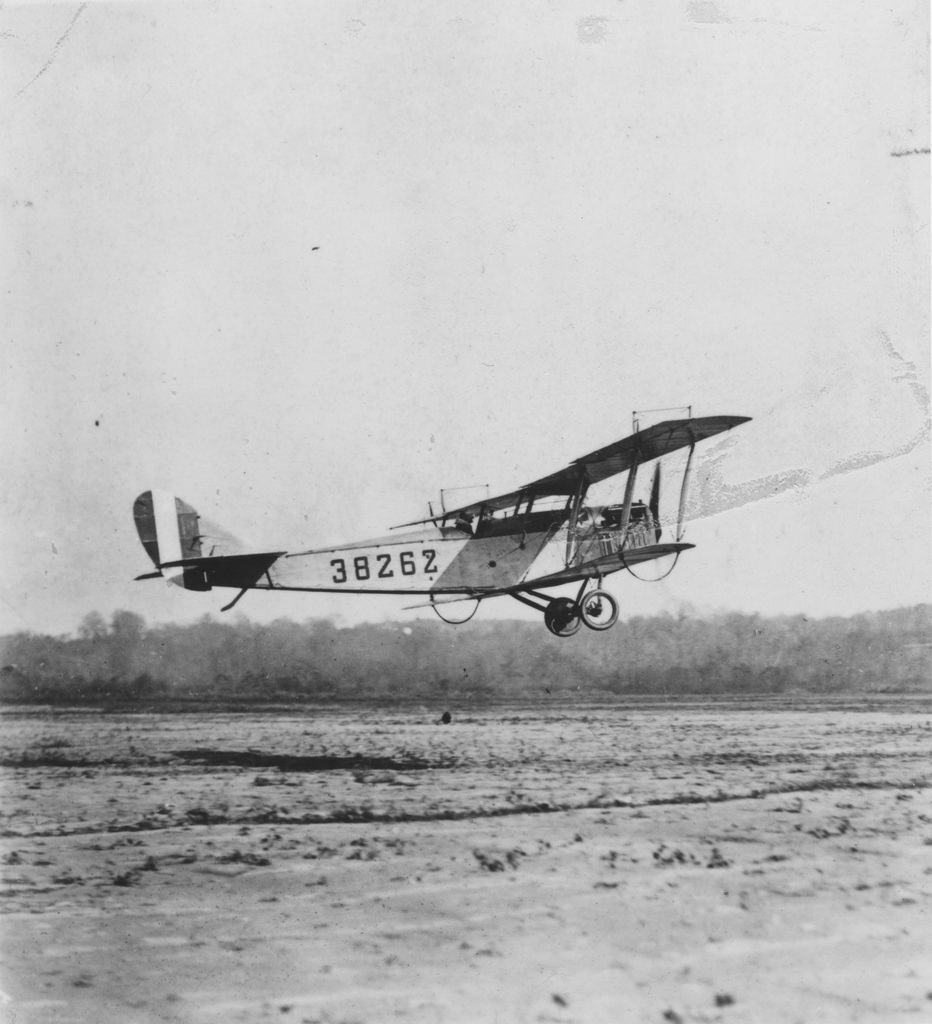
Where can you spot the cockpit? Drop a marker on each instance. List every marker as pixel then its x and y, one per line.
pixel 601 529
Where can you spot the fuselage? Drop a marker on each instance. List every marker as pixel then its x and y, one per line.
pixel 499 554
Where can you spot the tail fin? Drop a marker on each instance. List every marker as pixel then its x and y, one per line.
pixel 192 552
pixel 169 529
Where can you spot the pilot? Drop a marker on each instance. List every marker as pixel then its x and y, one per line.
pixel 638 512
pixel 611 517
pixel 485 516
pixel 464 522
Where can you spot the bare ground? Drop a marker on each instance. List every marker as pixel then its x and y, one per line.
pixel 669 863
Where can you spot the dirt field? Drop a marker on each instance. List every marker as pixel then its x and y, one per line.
pixel 679 862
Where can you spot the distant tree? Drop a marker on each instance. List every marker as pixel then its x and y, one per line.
pixel 127 626
pixel 284 660
pixel 127 630
pixel 93 627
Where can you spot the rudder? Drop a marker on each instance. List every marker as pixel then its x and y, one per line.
pixel 169 530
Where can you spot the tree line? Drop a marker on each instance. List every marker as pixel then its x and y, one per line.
pixel 232 661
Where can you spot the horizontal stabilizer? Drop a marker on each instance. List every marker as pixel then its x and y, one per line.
pixel 226 570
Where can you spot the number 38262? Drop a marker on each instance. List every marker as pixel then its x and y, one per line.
pixel 384 565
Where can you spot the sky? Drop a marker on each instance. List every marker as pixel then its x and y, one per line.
pixel 307 264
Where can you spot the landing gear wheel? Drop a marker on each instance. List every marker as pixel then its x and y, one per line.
pixel 562 616
pixel 599 610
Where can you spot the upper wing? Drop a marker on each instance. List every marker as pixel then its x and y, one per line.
pixel 645 445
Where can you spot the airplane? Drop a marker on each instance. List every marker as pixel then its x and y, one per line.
pixel 519 544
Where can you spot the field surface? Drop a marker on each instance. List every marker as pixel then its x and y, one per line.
pixel 671 862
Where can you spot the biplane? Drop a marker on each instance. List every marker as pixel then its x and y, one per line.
pixel 520 544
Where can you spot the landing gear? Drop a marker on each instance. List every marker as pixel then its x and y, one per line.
pixel 599 610
pixel 563 616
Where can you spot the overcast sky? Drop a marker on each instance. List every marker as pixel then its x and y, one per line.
pixel 307 264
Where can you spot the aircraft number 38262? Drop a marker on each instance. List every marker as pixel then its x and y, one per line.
pixel 578 544
pixel 363 569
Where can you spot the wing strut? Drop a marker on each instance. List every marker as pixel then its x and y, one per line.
pixel 684 491
pixel 655 503
pixel 573 524
pixel 629 494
